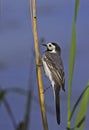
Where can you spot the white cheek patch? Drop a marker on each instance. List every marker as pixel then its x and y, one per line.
pixel 52 48
pixel 53 51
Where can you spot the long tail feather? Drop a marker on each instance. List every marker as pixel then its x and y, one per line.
pixel 57 104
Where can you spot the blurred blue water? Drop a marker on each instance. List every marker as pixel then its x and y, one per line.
pixel 55 20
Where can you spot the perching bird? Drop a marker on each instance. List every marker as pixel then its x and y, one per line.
pixel 54 70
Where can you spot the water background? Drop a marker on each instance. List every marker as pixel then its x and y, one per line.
pixel 17 61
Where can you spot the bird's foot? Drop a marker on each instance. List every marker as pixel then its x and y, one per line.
pixel 40 63
pixel 46 89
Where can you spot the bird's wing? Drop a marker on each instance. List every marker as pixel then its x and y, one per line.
pixel 55 65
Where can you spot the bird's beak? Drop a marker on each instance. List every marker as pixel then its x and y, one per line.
pixel 44 44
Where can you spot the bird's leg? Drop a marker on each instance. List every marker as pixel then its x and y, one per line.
pixel 46 89
pixel 40 63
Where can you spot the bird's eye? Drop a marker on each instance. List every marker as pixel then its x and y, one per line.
pixel 49 45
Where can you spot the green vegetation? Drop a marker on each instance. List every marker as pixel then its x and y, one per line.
pixel 84 97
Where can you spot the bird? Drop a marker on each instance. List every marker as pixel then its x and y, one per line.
pixel 54 70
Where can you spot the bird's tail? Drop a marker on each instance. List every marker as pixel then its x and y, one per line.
pixel 57 103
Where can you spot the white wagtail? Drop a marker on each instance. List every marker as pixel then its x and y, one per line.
pixel 54 70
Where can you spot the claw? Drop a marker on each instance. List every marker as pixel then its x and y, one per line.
pixel 46 89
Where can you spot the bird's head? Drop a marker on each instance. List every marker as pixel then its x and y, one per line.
pixel 52 47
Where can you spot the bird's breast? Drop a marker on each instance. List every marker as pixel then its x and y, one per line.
pixel 48 73
pixel 46 69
